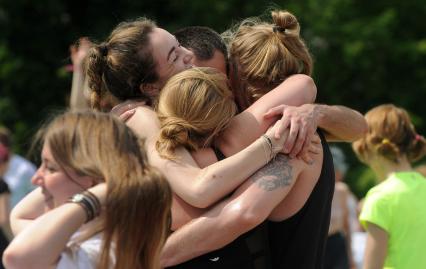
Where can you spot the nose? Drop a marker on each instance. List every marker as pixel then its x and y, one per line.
pixel 37 178
pixel 188 55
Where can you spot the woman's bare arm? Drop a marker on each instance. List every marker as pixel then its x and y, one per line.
pixel 201 187
pixel 251 123
pixel 41 242
pixel 376 247
pixel 27 210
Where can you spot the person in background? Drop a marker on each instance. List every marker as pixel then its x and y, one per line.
pixel 79 87
pixel 359 239
pixel 338 254
pixel 394 211
pixel 19 172
pixel 99 204
pixel 4 193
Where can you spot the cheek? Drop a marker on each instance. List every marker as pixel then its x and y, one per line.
pixel 60 188
pixel 179 67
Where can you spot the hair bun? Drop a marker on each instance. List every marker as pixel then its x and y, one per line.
pixel 176 131
pixel 278 29
pixel 284 21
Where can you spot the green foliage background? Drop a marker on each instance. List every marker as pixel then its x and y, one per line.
pixel 366 52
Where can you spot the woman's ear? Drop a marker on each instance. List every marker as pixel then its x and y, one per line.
pixel 88 181
pixel 96 181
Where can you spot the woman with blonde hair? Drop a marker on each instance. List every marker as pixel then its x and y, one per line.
pixel 394 211
pixel 103 205
pixel 296 196
pixel 264 54
pixel 194 107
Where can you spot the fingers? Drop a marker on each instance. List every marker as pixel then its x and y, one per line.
pixel 85 42
pixel 315 149
pixel 292 136
pixel 278 110
pixel 73 49
pixel 307 143
pixel 127 115
pixel 283 125
pixel 312 148
pixel 300 142
pixel 315 139
pixel 307 159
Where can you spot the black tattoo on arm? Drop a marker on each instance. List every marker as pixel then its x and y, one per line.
pixel 277 173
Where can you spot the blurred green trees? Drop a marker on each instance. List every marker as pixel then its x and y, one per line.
pixel 366 52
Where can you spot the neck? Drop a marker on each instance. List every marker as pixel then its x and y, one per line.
pixel 383 167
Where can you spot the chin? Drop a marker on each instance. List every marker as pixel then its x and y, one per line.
pixel 49 202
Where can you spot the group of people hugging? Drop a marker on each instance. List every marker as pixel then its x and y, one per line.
pixel 200 151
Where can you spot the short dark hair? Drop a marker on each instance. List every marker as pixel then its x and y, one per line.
pixel 203 41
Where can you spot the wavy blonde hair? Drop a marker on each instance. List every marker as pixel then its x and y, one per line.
pixel 264 54
pixel 391 135
pixel 138 197
pixel 194 106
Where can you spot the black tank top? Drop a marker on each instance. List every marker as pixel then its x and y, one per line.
pixel 249 251
pixel 299 242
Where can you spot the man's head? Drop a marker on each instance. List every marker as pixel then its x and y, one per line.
pixel 207 45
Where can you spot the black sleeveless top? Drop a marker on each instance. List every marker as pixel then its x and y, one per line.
pixel 249 251
pixel 299 242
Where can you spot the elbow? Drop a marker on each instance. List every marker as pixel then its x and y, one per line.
pixel 248 217
pixel 310 88
pixel 202 198
pixel 364 128
pixel 204 195
pixel 250 220
pixel 15 259
pixel 361 130
pixel 198 197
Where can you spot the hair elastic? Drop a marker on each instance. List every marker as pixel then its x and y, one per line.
pixel 385 141
pixel 277 28
pixel 103 48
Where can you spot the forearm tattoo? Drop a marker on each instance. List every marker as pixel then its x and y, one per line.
pixel 277 173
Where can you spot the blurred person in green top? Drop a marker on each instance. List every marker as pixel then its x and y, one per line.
pixel 394 212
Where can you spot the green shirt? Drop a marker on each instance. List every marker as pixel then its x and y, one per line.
pixel 398 205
